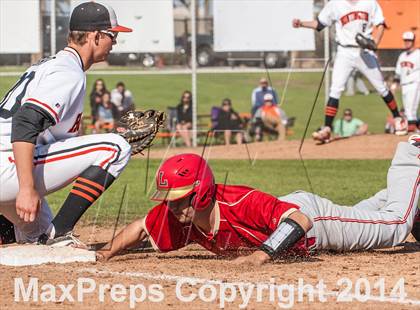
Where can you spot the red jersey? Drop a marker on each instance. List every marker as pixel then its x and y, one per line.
pixel 245 218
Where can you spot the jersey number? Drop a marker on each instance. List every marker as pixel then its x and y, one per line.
pixel 12 101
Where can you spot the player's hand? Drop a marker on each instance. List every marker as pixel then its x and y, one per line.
pixel 28 203
pixel 101 256
pixel 296 23
pixel 257 258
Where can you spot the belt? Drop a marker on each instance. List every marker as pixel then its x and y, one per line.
pixel 409 83
pixel 348 45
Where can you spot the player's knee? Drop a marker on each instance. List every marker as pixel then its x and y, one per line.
pixel 123 146
pixel 123 149
pixel 383 91
pixel 336 92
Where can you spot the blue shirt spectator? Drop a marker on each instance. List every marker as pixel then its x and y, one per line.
pixel 258 95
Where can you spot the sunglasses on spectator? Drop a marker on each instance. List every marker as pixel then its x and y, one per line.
pixel 347 114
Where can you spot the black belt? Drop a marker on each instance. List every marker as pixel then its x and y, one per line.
pixel 348 45
pixel 409 83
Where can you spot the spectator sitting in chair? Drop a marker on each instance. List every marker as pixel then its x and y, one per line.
pixel 259 93
pixel 105 119
pixel 228 120
pixel 349 126
pixel 184 117
pixel 270 118
pixel 122 100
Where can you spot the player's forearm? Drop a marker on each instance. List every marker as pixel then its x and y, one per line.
pixel 127 237
pixel 302 220
pixel 282 239
pixel 312 24
pixel 287 234
pixel 23 153
pixel 379 34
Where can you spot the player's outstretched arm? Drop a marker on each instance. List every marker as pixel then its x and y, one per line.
pixel 312 24
pixel 129 236
pixel 290 231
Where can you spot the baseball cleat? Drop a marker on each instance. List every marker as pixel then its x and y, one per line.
pixel 414 140
pixel 67 240
pixel 323 134
pixel 401 126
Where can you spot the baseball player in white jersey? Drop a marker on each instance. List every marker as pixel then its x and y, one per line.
pixel 408 76
pixel 40 119
pixel 353 17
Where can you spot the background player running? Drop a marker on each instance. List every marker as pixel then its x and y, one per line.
pixel 227 219
pixel 352 17
pixel 40 119
pixel 408 76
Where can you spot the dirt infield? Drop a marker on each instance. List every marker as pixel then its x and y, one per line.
pixel 182 268
pixel 196 279
pixel 364 147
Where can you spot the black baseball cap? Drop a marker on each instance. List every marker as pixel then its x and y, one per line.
pixel 92 16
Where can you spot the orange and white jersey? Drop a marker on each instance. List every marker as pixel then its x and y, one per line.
pixel 351 17
pixel 408 67
pixel 55 86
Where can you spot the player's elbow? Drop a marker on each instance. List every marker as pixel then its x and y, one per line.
pixel 318 26
pixel 302 219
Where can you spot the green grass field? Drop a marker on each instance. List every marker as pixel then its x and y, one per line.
pixel 161 91
pixel 343 181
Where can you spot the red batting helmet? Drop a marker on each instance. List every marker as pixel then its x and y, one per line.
pixel 182 175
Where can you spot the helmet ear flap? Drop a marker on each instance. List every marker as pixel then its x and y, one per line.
pixel 199 202
pixel 193 200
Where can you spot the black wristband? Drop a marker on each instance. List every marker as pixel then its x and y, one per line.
pixel 283 238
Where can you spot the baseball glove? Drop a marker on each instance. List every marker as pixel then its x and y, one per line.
pixel 140 128
pixel 366 43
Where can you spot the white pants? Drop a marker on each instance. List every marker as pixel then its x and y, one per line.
pixel 348 59
pixel 55 166
pixel 411 99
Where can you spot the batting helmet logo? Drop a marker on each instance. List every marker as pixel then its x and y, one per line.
pixel 162 182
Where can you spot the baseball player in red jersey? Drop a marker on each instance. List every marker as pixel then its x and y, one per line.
pixel 227 220
pixel 40 117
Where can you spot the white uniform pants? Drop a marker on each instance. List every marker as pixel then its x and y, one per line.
pixel 384 220
pixel 411 99
pixel 55 166
pixel 348 59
